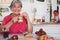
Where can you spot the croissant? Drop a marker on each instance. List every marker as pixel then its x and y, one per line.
pixel 28 36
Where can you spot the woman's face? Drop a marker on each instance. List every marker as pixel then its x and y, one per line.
pixel 16 8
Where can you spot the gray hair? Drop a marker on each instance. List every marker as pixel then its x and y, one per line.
pixel 16 1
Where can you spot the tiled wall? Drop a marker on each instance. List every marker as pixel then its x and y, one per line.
pixel 29 8
pixel 41 9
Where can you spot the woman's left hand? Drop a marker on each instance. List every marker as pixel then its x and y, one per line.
pixel 26 15
pixel 29 24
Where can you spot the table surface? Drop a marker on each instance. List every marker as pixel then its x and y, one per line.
pixel 1 37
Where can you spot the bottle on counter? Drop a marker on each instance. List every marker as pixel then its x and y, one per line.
pixel 5 33
pixel 55 16
pixel 43 19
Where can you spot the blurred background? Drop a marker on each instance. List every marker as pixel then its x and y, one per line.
pixel 40 12
pixel 36 9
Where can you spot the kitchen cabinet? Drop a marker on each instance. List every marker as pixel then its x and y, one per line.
pixel 5 1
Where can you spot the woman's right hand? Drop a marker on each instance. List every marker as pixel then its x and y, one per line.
pixel 15 19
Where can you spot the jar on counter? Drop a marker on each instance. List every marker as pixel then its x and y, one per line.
pixel 43 19
pixel 55 16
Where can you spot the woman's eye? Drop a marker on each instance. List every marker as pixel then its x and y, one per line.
pixel 16 7
pixel 19 6
pixel 13 6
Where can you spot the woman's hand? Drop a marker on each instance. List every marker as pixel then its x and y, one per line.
pixel 26 15
pixel 29 24
pixel 15 19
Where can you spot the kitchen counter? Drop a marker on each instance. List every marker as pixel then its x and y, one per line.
pixel 51 29
pixel 42 23
pixel 1 38
pixel 46 23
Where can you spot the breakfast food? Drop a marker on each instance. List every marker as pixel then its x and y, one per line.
pixel 28 36
pixel 43 37
pixel 14 37
pixel 38 21
pixel 40 32
pixel 50 38
pixel 20 18
pixel 21 36
pixel 25 36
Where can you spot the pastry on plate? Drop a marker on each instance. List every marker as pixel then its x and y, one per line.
pixel 28 36
pixel 50 38
pixel 43 37
pixel 40 32
pixel 21 36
